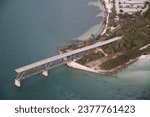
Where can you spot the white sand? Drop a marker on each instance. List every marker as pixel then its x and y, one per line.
pixel 108 6
pixel 79 66
pixel 144 56
pixel 97 29
pixel 93 30
pixel 86 35
pixel 144 47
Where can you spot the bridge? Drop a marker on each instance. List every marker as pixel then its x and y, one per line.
pixel 44 65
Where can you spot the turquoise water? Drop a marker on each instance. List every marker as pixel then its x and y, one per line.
pixel 31 30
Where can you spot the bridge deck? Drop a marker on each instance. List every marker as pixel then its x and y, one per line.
pixel 57 57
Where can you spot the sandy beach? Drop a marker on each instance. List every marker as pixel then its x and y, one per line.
pixel 108 6
pixel 144 56
pixel 104 9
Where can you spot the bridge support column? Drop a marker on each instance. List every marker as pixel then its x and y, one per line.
pixel 17 83
pixel 45 73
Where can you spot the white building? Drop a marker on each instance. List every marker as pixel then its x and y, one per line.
pixel 130 6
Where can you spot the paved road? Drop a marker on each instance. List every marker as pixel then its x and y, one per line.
pixel 67 54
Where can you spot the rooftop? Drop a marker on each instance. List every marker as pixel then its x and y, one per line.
pixel 130 6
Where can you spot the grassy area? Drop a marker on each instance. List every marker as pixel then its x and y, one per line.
pixel 124 58
pixel 135 30
pixel 90 57
pixel 121 59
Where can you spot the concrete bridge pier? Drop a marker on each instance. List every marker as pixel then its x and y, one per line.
pixel 45 73
pixel 52 62
pixel 17 83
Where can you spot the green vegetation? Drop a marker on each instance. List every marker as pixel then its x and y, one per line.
pixel 124 58
pixel 135 30
pixel 90 57
pixel 121 59
pixel 87 42
pixel 70 47
pixel 93 39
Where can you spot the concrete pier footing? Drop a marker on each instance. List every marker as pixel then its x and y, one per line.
pixel 45 73
pixel 17 83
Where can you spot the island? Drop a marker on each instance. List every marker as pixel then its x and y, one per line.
pixel 125 19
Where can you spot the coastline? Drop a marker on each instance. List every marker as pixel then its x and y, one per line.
pixel 107 10
pixel 73 64
pixel 106 16
pixel 97 28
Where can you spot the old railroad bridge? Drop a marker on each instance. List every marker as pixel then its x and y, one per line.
pixel 44 65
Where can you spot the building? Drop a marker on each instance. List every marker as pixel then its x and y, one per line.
pixel 130 6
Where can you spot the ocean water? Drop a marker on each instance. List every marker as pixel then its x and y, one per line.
pixel 31 30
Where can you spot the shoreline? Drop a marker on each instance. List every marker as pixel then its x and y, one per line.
pixel 73 64
pixel 105 20
pixel 106 16
pixel 98 28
